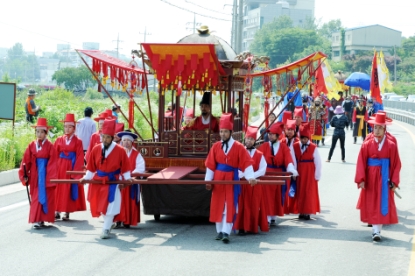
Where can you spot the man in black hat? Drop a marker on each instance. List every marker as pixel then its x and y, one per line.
pixel 31 109
pixel 206 120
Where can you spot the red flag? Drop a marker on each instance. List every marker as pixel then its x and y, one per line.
pixel 320 84
pixel 374 81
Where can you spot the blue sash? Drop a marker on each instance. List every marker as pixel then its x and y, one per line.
pixel 111 177
pixel 283 187
pixel 384 164
pixel 74 186
pixel 236 187
pixel 306 161
pixel 134 192
pixel 41 164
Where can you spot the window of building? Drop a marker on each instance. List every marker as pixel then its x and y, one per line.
pixel 336 53
pixel 348 37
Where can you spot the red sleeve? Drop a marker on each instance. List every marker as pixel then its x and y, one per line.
pixel 361 164
pixel 93 160
pixel 287 155
pixel 395 163
pixel 52 168
pixel 26 160
pixel 210 162
pixel 79 163
pixel 354 116
pixel 245 160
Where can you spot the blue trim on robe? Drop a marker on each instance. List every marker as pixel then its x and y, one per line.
pixel 384 164
pixel 42 164
pixel 74 186
pixel 236 187
pixel 111 177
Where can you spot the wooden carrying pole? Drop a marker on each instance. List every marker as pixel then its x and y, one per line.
pixel 169 182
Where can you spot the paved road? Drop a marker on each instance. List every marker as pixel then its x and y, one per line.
pixel 334 242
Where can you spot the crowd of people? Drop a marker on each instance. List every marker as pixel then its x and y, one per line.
pixel 291 146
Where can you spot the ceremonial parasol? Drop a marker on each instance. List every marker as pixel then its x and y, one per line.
pixel 358 79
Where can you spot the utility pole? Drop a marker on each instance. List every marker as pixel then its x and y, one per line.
pixel 118 44
pixel 194 23
pixel 239 27
pixel 234 26
pixel 394 65
pixel 145 33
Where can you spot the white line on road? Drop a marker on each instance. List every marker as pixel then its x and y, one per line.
pixel 12 188
pixel 13 206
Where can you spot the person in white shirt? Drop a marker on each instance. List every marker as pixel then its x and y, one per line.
pixel 85 127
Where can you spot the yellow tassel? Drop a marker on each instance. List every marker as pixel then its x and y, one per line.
pixel 188 81
pixel 201 92
pixel 167 76
pixel 214 92
pixel 188 93
pixel 184 87
pixel 162 80
pixel 197 85
pixel 176 80
pixel 193 90
pixel 206 73
pixel 193 74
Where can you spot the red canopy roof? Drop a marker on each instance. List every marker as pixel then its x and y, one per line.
pixel 292 66
pixel 126 74
pixel 102 57
pixel 187 65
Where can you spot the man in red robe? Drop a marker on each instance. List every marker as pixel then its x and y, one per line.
pixel 224 160
pixel 251 207
pixel 37 168
pixel 278 158
pixel 377 174
pixel 130 196
pixel 206 120
pixel 298 117
pixel 96 138
pixel 70 197
pixel 309 169
pixel 290 139
pixel 107 162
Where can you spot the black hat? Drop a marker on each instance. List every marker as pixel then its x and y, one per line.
pixel 340 92
pixel 205 99
pixel 370 101
pixel 31 92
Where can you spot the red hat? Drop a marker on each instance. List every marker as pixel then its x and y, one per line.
pixel 251 131
pixel 287 115
pixel 189 113
pixel 69 118
pixel 298 111
pixel 226 121
pixel 379 119
pixel 42 123
pixel 109 127
pixel 291 124
pixel 109 113
pixel 276 128
pixel 101 116
pixel 305 130
pixel 119 127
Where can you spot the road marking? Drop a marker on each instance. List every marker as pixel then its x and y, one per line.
pixel 12 188
pixel 412 261
pixel 13 206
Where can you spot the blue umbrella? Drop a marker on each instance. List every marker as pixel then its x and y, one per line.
pixel 358 79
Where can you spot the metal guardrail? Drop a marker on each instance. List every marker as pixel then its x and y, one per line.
pixel 403 106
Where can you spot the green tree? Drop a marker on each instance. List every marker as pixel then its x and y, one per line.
pixel 72 78
pixel 327 29
pixel 22 66
pixel 281 44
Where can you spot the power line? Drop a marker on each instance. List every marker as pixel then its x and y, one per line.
pixel 40 34
pixel 197 5
pixel 184 9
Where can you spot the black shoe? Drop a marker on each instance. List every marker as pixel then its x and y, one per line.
pixel 116 225
pixel 376 237
pixel 219 236
pixel 273 223
pixel 66 216
pixel 57 215
pixel 306 217
pixel 300 216
pixel 369 225
pixel 126 225
pixel 225 238
pixel 241 233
